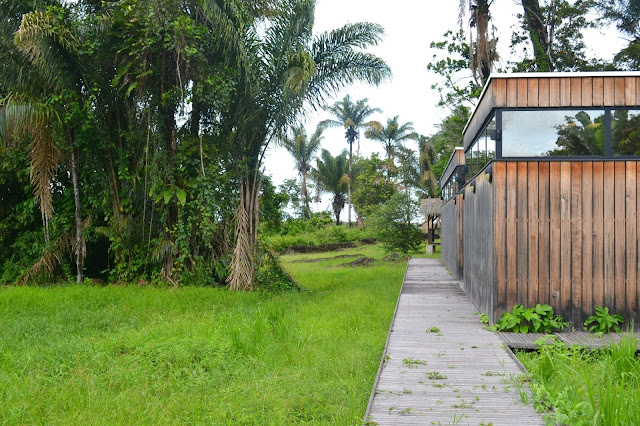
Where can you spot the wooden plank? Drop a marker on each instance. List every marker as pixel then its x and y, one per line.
pixel 632 237
pixel 511 188
pixel 512 92
pixel 522 92
pixel 619 91
pixel 460 233
pixel 543 92
pixel 598 233
pixel 500 92
pixel 587 239
pixel 500 233
pixel 532 236
pixel 576 242
pixel 565 238
pixel 543 232
pixel 609 235
pixel 598 91
pixel 608 91
pixel 637 89
pixel 532 92
pixel 630 91
pixel 637 262
pixel 587 92
pixel 554 92
pixel 565 92
pixel 554 234
pixel 403 392
pixel 521 246
pixel 576 91
pixel 620 246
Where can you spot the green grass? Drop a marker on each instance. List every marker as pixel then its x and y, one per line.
pixel 586 387
pixel 130 355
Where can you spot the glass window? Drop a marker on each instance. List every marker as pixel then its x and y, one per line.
pixel 625 132
pixel 477 151
pixel 491 143
pixel 553 133
pixel 469 160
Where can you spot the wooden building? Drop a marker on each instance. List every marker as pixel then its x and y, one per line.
pixel 543 205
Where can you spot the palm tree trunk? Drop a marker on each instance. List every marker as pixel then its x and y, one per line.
pixel 242 262
pixel 305 195
pixel 78 214
pixel 349 184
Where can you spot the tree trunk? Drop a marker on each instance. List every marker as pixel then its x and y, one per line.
pixel 78 213
pixel 305 195
pixel 538 34
pixel 171 146
pixel 242 262
pixel 349 185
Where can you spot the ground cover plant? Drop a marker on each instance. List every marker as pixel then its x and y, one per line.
pixel 603 322
pixel 539 319
pixel 146 354
pixel 584 387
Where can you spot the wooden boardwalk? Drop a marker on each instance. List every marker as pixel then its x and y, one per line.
pixel 440 366
pixel 580 338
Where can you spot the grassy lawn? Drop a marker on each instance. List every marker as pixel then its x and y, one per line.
pixel 586 387
pixel 128 354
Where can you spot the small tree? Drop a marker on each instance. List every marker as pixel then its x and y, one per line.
pixel 332 177
pixel 302 149
pixel 373 184
pixel 391 227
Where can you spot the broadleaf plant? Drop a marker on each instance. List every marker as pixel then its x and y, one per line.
pixel 603 322
pixel 539 319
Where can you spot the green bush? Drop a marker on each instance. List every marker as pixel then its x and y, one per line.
pixel 392 225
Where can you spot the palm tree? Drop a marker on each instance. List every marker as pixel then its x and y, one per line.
pixel 426 161
pixel 331 175
pixel 483 48
pixel 302 149
pixel 288 69
pixel 50 43
pixel 392 135
pixel 352 117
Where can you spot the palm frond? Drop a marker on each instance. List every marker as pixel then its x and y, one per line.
pixel 46 265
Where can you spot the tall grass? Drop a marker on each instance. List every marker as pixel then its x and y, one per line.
pixel 130 355
pixel 584 387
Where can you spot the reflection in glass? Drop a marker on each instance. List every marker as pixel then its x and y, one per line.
pixel 625 132
pixel 491 144
pixel 469 161
pixel 552 133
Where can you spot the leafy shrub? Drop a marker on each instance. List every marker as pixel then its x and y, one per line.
pixel 270 275
pixel 392 225
pixel 603 322
pixel 536 320
pixel 300 232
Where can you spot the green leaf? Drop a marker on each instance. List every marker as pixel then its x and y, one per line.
pixel 166 194
pixel 182 196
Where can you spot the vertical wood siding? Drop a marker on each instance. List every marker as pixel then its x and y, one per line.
pixel 564 233
pixel 558 92
pixel 452 231
pixel 478 245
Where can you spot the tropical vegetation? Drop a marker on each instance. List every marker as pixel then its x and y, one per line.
pixel 145 124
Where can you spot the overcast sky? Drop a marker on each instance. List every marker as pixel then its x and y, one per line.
pixel 410 26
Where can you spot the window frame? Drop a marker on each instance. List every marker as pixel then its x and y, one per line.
pixel 608 136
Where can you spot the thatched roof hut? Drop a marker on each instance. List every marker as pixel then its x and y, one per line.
pixel 431 206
